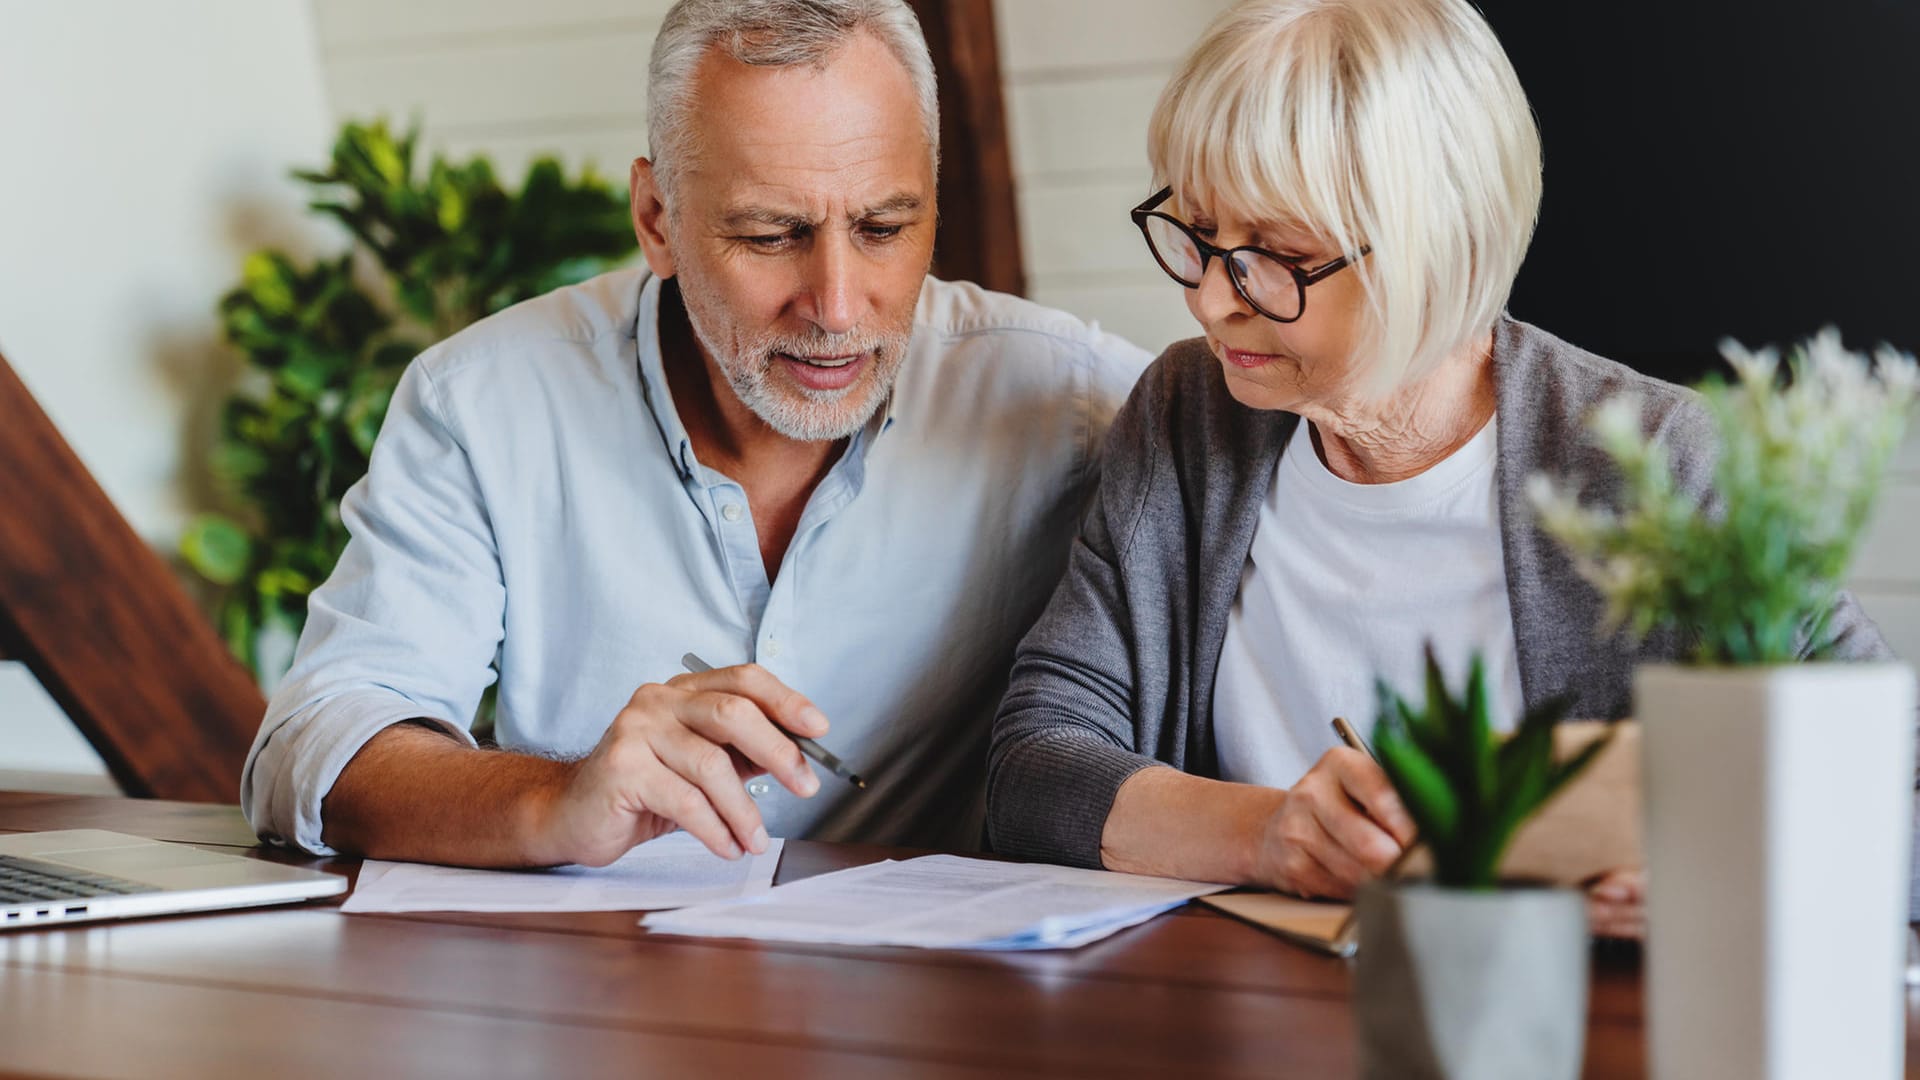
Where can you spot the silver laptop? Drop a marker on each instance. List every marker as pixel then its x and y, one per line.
pixel 82 875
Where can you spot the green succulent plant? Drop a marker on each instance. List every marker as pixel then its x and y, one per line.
pixel 1468 788
pixel 325 342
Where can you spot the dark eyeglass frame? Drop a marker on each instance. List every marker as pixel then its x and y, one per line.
pixel 1302 277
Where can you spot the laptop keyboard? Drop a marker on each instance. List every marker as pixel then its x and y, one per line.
pixel 24 881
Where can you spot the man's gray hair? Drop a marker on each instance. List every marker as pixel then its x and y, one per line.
pixel 769 33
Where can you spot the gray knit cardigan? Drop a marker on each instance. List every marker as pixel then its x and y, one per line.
pixel 1118 674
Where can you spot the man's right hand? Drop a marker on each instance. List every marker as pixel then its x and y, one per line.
pixel 677 757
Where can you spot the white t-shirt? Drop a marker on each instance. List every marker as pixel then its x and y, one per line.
pixel 1347 582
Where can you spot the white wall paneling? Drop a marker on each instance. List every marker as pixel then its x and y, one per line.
pixel 348 27
pixel 511 79
pixel 1083 76
pixel 1886 575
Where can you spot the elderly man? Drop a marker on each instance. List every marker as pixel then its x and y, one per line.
pixel 782 447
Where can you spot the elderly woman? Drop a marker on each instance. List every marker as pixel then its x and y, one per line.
pixel 1332 475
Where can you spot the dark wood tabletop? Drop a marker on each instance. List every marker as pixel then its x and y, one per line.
pixel 306 990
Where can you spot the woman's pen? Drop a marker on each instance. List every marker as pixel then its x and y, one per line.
pixel 1351 737
pixel 807 746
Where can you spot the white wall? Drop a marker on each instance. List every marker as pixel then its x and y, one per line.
pixel 1886 576
pixel 143 152
pixel 1082 77
pixel 510 78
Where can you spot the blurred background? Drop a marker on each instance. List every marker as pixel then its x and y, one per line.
pixel 1712 168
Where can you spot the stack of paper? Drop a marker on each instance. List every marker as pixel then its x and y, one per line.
pixel 673 871
pixel 942 902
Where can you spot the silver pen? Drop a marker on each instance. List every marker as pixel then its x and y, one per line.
pixel 1351 737
pixel 807 746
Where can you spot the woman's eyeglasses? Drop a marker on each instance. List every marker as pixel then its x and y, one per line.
pixel 1270 284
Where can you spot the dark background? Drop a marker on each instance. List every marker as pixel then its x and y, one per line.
pixel 1717 168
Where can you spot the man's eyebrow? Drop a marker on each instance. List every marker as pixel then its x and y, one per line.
pixel 896 204
pixel 905 202
pixel 765 215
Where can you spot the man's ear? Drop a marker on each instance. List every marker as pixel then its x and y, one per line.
pixel 650 218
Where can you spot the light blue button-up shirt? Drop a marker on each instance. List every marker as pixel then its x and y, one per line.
pixel 534 508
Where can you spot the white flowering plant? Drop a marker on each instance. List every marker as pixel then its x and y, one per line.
pixel 1753 573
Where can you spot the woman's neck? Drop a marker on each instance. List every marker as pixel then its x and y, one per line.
pixel 1412 430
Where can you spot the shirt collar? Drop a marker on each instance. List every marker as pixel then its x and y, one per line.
pixel 653 380
pixel 659 397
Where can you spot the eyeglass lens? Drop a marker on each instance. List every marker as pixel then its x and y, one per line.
pixel 1268 282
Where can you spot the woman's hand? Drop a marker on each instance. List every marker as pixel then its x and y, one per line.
pixel 1341 825
pixel 1617 904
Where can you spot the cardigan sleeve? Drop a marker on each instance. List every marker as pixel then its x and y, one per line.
pixel 1064 740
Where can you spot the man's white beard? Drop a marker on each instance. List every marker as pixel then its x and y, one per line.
pixel 800 412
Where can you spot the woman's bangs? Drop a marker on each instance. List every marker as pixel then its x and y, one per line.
pixel 1233 146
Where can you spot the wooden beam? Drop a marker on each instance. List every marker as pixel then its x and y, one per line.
pixel 979 238
pixel 100 621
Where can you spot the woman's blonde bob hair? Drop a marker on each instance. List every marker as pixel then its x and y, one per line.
pixel 1394 125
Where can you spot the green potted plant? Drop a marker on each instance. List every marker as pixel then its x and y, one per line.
pixel 1777 780
pixel 1467 975
pixel 436 248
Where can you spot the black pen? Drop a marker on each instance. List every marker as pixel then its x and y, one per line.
pixel 807 746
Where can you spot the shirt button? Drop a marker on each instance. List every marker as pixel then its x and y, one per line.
pixel 732 512
pixel 773 648
pixel 759 787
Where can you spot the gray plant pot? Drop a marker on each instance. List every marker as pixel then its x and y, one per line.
pixel 1469 985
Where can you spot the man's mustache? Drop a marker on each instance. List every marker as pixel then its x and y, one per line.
pixel 858 343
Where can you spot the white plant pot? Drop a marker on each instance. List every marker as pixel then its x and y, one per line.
pixel 1778 807
pixel 1457 985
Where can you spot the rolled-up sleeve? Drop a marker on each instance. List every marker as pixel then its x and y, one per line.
pixel 406 628
pixel 1065 739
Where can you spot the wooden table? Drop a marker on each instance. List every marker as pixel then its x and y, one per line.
pixel 308 991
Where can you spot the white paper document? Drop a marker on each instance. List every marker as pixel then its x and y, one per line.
pixel 672 871
pixel 942 902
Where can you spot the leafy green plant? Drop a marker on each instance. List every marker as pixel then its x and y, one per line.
pixel 1755 572
pixel 436 250
pixel 1467 788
